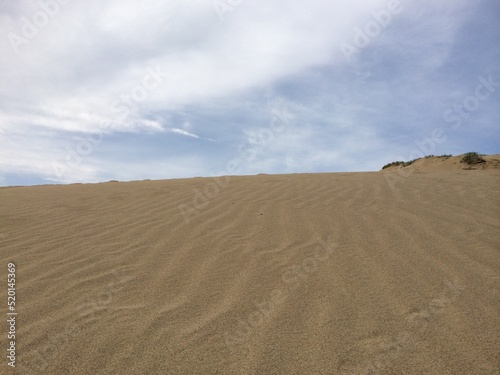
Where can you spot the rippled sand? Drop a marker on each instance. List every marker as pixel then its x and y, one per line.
pixel 288 274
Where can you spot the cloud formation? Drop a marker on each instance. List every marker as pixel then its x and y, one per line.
pixel 105 83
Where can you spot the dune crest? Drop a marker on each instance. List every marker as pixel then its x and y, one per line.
pixel 453 163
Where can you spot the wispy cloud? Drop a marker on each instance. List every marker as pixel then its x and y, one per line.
pixel 184 132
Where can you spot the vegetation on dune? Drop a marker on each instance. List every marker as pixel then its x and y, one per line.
pixel 407 163
pixel 472 158
pixel 402 163
pixel 392 164
pixel 446 156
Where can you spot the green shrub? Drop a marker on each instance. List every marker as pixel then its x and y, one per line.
pixel 407 163
pixel 402 163
pixel 472 158
pixel 392 164
pixel 440 156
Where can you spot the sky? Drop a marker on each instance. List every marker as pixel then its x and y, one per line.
pixel 132 90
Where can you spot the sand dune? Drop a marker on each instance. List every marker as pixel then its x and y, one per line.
pixel 337 273
pixel 435 163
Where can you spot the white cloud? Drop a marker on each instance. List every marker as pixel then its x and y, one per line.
pixel 184 132
pixel 120 66
pixel 69 74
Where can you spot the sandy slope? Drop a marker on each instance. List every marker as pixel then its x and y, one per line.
pixel 433 164
pixel 290 274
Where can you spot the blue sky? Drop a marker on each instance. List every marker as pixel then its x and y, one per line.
pixel 131 90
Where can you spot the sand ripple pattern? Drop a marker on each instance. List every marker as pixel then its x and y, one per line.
pixel 290 274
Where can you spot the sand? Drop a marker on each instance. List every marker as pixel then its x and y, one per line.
pixel 337 273
pixel 434 164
